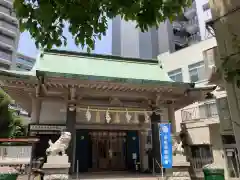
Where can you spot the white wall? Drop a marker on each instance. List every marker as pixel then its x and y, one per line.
pixel 203 16
pixel 182 59
pixel 199 131
pixel 51 113
pixel 185 57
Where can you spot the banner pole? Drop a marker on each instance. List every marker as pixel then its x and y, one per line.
pixel 161 151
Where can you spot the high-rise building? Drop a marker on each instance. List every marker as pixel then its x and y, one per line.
pixel 9 34
pixel 187 29
pixel 24 63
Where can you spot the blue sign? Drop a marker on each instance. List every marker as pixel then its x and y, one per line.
pixel 166 145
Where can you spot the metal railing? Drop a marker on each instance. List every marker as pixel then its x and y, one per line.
pixel 16 156
pixel 200 112
pixel 198 163
pixel 5 56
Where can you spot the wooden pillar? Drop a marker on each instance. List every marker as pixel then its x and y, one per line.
pixel 35 117
pixel 171 118
pixel 70 127
pixel 155 120
pixel 36 110
pixel 143 138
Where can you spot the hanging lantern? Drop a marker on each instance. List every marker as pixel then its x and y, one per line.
pixel 128 116
pixel 117 118
pixel 97 117
pixel 88 115
pixel 108 117
pixel 146 116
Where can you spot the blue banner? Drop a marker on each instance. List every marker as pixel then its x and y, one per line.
pixel 166 145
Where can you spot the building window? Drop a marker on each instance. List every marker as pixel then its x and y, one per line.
pixel 197 71
pixel 208 110
pixel 233 165
pixel 201 151
pixel 176 75
pixel 206 7
pixel 228 139
pixel 223 108
pixel 201 155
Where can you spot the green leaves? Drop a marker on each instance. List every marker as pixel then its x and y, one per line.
pixel 87 19
pixel 10 123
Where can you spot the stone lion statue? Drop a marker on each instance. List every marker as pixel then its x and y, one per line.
pixel 60 145
pixel 177 147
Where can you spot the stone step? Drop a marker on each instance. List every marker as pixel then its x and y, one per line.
pixel 93 176
pixel 118 178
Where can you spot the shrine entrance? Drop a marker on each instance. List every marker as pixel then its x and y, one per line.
pixel 108 150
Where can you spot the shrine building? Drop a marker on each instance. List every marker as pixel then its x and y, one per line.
pixel 111 105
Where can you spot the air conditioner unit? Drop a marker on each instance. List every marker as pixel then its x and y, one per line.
pixel 190 13
pixel 192 28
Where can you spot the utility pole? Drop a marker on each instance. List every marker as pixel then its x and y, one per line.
pixel 226 25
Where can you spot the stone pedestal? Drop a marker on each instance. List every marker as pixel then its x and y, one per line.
pixel 179 170
pixel 56 167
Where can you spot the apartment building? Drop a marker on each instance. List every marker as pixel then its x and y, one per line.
pixel 189 28
pixel 9 34
pixel 24 63
pixel 208 123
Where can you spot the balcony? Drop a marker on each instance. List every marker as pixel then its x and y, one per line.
pixel 188 31
pixel 7 3
pixel 7 43
pixel 197 165
pixel 8 18
pixel 5 58
pixel 206 113
pixel 8 28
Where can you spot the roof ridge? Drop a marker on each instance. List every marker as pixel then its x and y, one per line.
pixel 105 56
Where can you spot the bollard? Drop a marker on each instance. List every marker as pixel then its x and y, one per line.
pixel 77 169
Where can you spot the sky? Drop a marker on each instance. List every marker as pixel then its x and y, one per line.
pixel 27 46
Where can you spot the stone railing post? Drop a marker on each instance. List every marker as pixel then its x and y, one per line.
pixel 179 170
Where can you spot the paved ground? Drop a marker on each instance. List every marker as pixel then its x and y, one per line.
pixel 108 176
pixel 22 177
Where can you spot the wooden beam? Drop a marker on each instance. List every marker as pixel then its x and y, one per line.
pixel 112 85
pixel 18 83
pixel 88 102
pixel 18 86
pixel 111 126
pixel 115 93
pixel 83 92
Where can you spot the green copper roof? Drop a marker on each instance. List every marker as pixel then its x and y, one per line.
pixel 99 67
pixel 85 66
